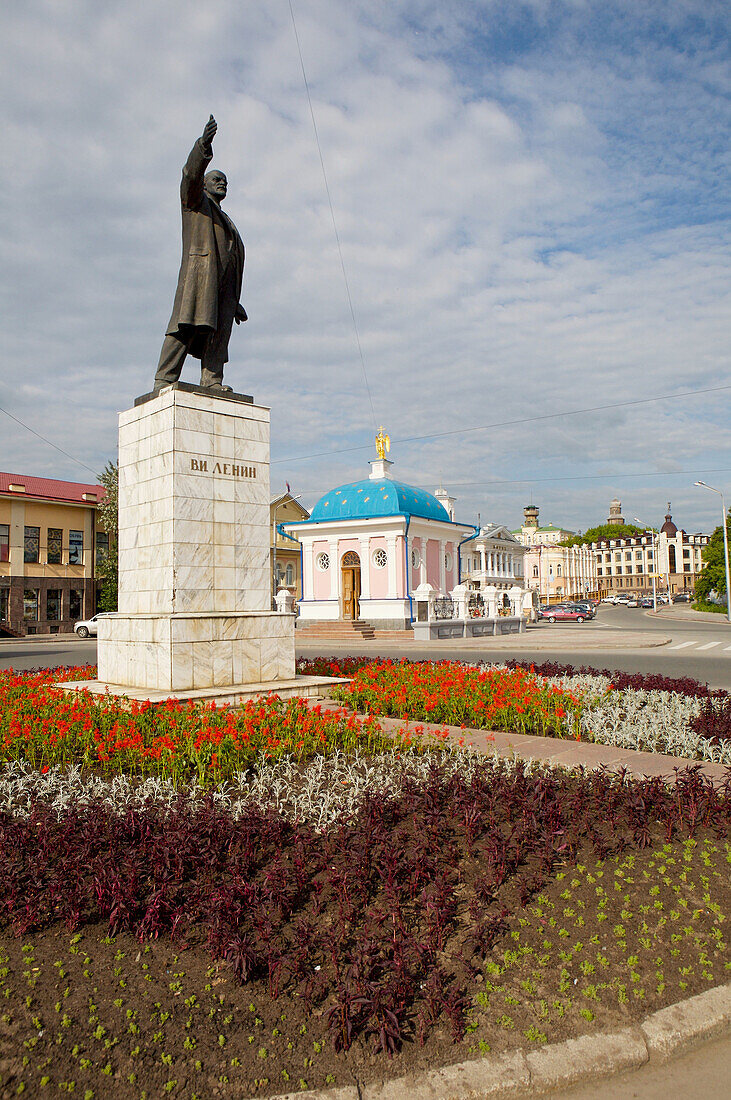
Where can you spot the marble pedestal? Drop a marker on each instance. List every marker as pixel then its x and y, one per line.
pixel 194 574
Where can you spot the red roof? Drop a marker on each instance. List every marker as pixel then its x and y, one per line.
pixel 49 489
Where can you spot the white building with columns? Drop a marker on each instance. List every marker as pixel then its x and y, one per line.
pixel 492 565
pixel 369 545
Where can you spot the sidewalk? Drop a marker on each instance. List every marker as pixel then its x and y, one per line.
pixel 554 750
pixel 535 638
pixel 686 614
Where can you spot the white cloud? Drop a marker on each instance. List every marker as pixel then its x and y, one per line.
pixel 529 224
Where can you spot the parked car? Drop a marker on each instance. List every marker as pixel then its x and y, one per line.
pixel 586 609
pixel 563 614
pixel 609 599
pixel 85 627
pixel 681 597
pixel 647 601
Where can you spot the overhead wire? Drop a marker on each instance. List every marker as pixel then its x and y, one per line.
pixel 510 423
pixel 48 441
pixel 332 215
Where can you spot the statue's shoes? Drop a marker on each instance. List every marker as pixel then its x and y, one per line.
pixel 217 387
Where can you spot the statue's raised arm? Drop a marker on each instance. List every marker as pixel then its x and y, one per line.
pixel 211 273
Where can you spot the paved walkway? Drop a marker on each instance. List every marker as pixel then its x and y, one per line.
pixel 555 750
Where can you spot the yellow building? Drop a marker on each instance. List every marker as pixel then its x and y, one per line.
pixel 49 542
pixel 286 552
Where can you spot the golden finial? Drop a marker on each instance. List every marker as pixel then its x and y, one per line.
pixel 383 443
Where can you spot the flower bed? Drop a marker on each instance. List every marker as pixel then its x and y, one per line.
pixel 678 717
pixel 45 727
pixel 479 905
pixel 461 695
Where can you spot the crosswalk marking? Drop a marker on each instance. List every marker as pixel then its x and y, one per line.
pixel 727 649
pixel 683 645
pixel 708 645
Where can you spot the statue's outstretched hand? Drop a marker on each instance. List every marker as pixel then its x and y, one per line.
pixel 209 131
pixel 240 315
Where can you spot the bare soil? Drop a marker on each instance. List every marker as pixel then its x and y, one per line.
pixel 602 944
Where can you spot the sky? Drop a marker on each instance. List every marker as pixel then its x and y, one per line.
pixel 531 201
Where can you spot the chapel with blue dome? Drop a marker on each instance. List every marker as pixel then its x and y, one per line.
pixel 369 545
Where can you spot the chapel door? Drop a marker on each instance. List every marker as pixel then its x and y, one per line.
pixel 351 585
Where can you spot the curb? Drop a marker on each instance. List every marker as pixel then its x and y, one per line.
pixel 504 641
pixel 658 1038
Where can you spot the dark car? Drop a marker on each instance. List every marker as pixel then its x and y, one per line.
pixel 647 601
pixel 563 614
pixel 681 597
pixel 582 605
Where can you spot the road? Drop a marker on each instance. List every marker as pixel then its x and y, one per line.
pixel 619 638
pixel 702 1073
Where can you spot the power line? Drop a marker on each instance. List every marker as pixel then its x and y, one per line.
pixel 512 423
pixel 332 215
pixel 543 480
pixel 48 441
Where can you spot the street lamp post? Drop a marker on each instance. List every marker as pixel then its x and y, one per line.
pixel 724 524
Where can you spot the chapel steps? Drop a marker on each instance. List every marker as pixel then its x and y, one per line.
pixel 349 629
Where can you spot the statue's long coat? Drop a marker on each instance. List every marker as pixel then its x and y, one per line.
pixel 212 267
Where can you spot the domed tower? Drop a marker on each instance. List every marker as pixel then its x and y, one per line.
pixel 668 528
pixel 530 513
pixel 615 513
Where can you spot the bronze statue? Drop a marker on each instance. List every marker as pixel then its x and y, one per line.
pixel 211 271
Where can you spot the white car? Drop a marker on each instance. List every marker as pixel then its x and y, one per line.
pixel 85 627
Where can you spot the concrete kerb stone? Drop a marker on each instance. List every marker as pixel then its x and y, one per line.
pixel 589 1057
pixel 706 1016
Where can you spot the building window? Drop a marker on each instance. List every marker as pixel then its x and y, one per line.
pixel 55 542
pixel 30 604
pixel 102 547
pixel 558 570
pixel 4 542
pixel 76 547
pixel 535 570
pixel 323 562
pixel 619 570
pixel 76 599
pixel 4 600
pixel 31 544
pixel 415 559
pixel 380 558
pixel 448 562
pixel 289 575
pixel 53 604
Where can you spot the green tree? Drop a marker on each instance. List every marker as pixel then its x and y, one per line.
pixel 606 531
pixel 108 570
pixel 713 577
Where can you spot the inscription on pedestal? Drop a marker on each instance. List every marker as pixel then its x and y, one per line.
pixel 229 469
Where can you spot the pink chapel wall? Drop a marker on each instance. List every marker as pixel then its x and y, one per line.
pixel 432 564
pixel 321 580
pixel 344 545
pixel 378 577
pixel 416 544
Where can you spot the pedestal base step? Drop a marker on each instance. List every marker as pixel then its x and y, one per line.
pixel 302 687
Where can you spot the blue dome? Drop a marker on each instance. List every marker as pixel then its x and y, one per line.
pixel 382 497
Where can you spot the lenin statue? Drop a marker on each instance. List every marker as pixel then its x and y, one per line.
pixel 211 271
